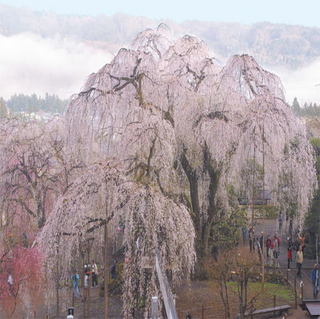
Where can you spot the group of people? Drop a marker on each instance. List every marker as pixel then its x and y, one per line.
pixel 271 248
pixel 269 245
pixel 89 270
pixel 296 246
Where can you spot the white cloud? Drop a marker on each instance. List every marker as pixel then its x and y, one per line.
pixel 303 83
pixel 32 64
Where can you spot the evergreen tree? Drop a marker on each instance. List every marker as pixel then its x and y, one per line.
pixel 3 108
pixel 33 103
pixel 296 106
pixel 312 222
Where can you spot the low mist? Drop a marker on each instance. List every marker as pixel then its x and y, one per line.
pixel 32 64
pixel 303 83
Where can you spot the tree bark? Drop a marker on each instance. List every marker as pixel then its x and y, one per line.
pixel 202 227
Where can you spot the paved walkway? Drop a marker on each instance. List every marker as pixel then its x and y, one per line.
pixel 270 227
pixel 303 284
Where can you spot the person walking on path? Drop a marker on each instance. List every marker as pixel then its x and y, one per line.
pixel 315 280
pixel 276 250
pixel 94 273
pixel 299 261
pixel 290 250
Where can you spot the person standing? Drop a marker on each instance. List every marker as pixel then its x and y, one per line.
pixel 94 272
pixel 87 272
pixel 289 256
pixel 268 246
pixel 315 280
pixel 299 261
pixel 75 278
pixel 244 234
pixel 251 239
pixel 276 250
pixel 277 238
pixel 280 222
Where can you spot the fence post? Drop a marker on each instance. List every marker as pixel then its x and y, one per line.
pixel 274 303
pixel 301 288
pixel 295 293
pixel 202 312
pixel 154 308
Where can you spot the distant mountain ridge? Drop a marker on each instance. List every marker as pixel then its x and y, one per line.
pixel 271 44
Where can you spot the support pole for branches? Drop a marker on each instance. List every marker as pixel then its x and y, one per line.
pixel 106 271
pixel 58 279
pixel 89 283
pixel 262 263
pixel 253 177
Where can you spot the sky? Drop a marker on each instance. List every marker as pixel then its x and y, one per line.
pixel 303 12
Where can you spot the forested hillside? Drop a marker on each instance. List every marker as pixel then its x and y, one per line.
pixel 271 44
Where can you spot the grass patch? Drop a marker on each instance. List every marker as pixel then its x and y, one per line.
pixel 265 296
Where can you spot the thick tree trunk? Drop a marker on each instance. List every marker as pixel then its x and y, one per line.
pixel 202 227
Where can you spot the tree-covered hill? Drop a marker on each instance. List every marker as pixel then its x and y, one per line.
pixel 271 44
